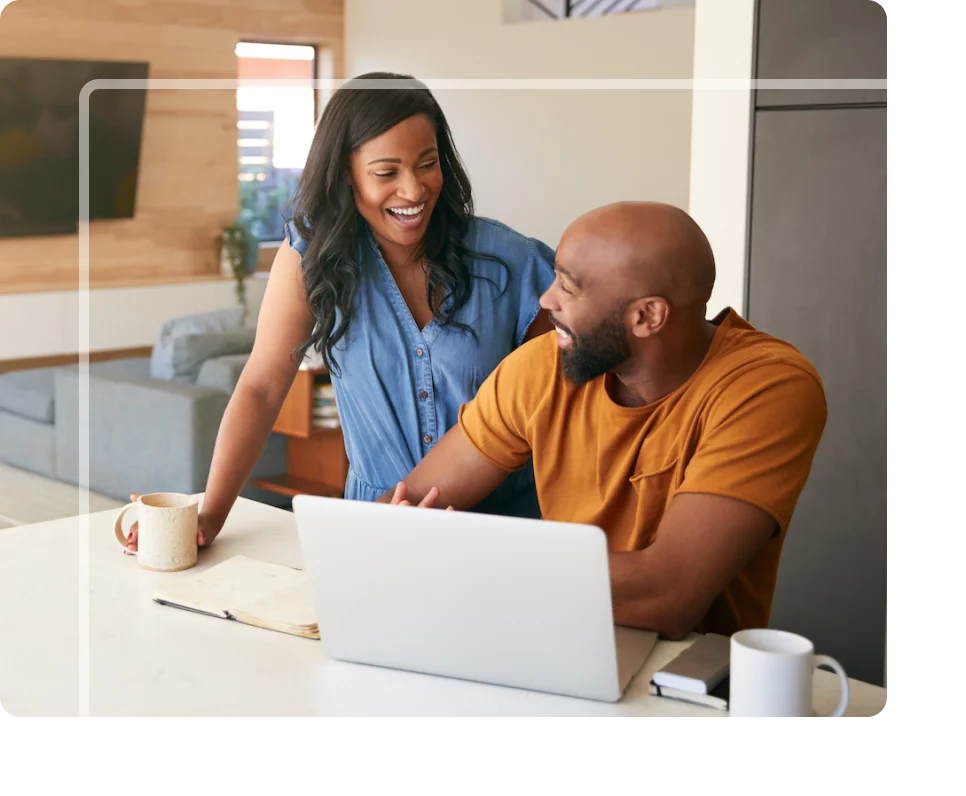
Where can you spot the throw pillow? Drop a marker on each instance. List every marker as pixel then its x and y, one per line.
pixel 190 351
pixel 162 355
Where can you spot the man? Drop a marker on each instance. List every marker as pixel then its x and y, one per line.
pixel 687 441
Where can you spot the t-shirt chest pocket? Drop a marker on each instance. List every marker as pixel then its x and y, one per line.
pixel 655 476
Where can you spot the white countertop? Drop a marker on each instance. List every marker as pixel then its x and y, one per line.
pixel 147 659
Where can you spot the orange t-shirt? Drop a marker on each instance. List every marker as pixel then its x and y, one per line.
pixel 745 426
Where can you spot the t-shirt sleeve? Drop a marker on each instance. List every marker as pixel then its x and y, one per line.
pixel 761 435
pixel 536 277
pixel 295 241
pixel 496 421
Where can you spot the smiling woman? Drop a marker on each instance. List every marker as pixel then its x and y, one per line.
pixel 418 299
pixel 378 154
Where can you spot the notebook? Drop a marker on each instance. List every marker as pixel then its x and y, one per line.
pixel 718 698
pixel 253 592
pixel 700 667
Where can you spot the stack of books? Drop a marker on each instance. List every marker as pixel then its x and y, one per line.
pixel 698 675
pixel 324 412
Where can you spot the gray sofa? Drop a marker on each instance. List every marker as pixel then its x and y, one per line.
pixel 146 434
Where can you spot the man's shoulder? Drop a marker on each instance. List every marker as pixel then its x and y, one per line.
pixel 752 372
pixel 538 356
pixel 514 393
pixel 747 353
pixel 532 370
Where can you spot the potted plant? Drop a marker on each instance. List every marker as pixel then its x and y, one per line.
pixel 237 255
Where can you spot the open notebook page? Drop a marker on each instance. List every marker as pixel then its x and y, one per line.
pixel 223 588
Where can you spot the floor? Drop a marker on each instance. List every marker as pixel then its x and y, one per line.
pixel 27 498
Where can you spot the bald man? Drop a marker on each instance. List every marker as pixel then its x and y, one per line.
pixel 687 441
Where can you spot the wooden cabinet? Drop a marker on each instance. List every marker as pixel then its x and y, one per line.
pixel 317 462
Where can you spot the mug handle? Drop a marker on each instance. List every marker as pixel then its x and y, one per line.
pixel 119 525
pixel 834 665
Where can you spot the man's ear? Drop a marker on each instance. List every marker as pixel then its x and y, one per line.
pixel 648 316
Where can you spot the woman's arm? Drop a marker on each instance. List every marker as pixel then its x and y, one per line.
pixel 284 321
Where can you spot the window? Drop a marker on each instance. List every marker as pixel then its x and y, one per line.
pixel 275 128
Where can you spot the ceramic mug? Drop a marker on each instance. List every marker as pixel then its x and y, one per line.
pixel 167 531
pixel 772 673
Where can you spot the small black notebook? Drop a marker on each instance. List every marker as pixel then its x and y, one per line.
pixel 699 668
pixel 718 698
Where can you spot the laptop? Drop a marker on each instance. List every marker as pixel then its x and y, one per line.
pixel 512 602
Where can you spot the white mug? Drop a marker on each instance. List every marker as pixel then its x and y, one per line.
pixel 772 673
pixel 167 531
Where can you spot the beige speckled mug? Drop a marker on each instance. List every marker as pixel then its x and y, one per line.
pixel 167 531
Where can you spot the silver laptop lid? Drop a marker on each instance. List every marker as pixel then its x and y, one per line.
pixel 501 600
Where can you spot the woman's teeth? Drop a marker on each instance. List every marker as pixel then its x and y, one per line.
pixel 407 211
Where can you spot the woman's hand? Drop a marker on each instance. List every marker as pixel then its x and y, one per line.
pixel 208 529
pixel 428 502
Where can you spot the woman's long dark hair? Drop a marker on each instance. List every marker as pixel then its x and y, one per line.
pixel 325 215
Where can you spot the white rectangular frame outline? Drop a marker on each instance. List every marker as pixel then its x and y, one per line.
pixel 329 85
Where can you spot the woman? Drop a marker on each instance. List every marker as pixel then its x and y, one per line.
pixel 410 300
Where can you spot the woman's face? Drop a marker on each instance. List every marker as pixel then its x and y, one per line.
pixel 396 181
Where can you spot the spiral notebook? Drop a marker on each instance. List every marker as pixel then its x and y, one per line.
pixel 249 591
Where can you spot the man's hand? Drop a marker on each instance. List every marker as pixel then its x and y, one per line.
pixel 453 469
pixel 428 502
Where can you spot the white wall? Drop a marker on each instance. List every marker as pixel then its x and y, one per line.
pixel 525 11
pixel 539 159
pixel 45 324
pixel 721 141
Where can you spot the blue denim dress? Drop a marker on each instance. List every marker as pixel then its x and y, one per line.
pixel 400 387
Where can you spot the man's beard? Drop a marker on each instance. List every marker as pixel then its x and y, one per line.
pixel 603 348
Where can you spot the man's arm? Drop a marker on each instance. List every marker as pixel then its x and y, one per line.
pixel 460 473
pixel 702 543
pixel 740 487
pixel 490 439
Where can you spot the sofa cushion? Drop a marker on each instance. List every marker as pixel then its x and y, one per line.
pixel 221 373
pixel 28 444
pixel 29 393
pixel 128 367
pixel 162 355
pixel 189 351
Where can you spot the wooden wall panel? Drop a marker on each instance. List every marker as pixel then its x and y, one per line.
pixel 188 184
